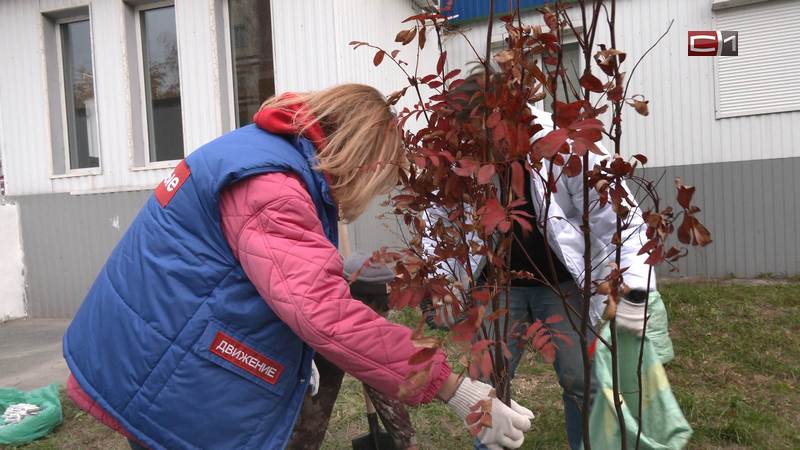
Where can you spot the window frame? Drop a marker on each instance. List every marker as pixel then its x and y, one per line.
pixel 233 104
pixel 68 170
pixel 569 41
pixel 729 7
pixel 148 164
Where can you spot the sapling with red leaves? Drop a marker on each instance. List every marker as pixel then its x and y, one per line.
pixel 483 154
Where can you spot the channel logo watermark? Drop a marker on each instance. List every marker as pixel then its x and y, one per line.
pixel 713 43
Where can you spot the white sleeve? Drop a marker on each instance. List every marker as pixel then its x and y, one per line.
pixel 603 225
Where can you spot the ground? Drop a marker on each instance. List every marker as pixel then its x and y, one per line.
pixel 736 375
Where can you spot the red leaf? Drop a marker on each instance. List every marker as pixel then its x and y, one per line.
pixel 422 37
pixel 492 215
pixel 701 234
pixel 440 63
pixel 541 339
pixel 378 57
pixel 591 82
pixel 493 119
pixel 550 143
pixel 548 353
pixel 496 314
pixel 428 78
pixel 504 226
pixel 467 167
pixel 452 74
pixel 615 94
pixel 486 173
pixel 685 193
pixel 533 329
pixel 573 167
pixel 422 356
pixel 656 256
pixel 648 246
pixel 473 418
pixel 587 124
pixel 523 223
pixel 518 179
pixel 566 113
pixel 482 295
pixel 639 104
pixel 641 158
pixel 553 319
pixel 685 230
pixel 486 364
pixel 406 36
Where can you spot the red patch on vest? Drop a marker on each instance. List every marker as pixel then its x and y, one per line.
pixel 246 358
pixel 170 185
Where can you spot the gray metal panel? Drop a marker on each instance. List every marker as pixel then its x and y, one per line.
pixel 66 240
pixel 752 210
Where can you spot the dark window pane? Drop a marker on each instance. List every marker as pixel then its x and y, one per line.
pixel 76 54
pixel 162 84
pixel 251 50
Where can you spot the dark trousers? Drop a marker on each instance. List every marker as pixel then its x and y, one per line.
pixel 135 445
pixel 309 432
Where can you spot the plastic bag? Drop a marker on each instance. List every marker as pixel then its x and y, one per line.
pixel 32 427
pixel 663 423
pixel 658 328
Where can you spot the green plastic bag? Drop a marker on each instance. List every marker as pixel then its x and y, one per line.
pixel 658 328
pixel 32 427
pixel 663 424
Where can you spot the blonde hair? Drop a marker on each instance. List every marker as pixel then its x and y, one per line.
pixel 363 146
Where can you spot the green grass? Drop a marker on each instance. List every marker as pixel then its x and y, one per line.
pixel 737 362
pixel 735 375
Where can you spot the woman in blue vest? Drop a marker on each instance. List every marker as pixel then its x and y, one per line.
pixel 200 329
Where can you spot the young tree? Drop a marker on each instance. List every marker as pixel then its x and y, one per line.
pixel 463 185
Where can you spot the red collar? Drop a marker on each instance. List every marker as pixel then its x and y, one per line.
pixel 291 119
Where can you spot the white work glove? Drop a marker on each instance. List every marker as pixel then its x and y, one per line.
pixel 630 316
pixel 508 423
pixel 314 383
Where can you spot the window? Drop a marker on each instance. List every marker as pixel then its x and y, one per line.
pixel 158 45
pixel 762 78
pixel 79 102
pixel 251 56
pixel 72 105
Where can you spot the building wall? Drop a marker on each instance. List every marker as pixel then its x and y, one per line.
pixel 752 209
pixel 24 93
pixel 70 224
pixel 682 128
pixel 67 239
pixel 742 166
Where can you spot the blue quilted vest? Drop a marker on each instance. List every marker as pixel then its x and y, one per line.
pixel 173 340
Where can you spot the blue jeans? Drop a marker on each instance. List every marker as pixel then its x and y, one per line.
pixel 529 304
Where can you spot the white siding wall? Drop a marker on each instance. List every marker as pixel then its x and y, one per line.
pixel 311 43
pixel 682 128
pixel 24 96
pixel 311 52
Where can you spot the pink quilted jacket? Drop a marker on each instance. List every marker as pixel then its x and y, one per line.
pixel 272 227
